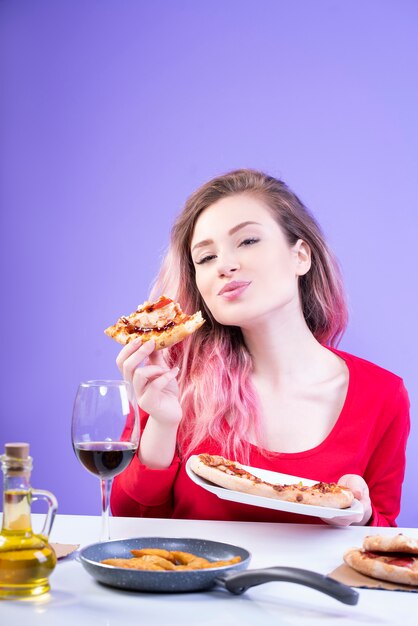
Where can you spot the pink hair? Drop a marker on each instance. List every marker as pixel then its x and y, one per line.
pixel 217 396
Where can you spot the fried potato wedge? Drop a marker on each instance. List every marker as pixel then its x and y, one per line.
pixel 156 559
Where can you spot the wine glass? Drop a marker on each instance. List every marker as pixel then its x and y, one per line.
pixel 105 433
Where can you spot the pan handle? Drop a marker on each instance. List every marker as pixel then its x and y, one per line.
pixel 241 581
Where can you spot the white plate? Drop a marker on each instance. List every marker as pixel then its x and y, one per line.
pixel 269 503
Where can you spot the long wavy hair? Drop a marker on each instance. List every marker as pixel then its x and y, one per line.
pixel 216 392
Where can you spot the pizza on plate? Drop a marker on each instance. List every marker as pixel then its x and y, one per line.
pixel 232 475
pixel 390 558
pixel 162 320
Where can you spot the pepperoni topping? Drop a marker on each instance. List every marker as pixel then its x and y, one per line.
pixel 399 560
pixel 162 302
pixel 406 561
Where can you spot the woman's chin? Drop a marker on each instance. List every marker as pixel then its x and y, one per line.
pixel 240 314
pixel 230 320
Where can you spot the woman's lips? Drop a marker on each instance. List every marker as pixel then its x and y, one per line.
pixel 232 290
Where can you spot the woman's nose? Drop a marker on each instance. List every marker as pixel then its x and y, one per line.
pixel 227 267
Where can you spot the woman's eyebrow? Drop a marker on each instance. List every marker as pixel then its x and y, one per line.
pixel 233 230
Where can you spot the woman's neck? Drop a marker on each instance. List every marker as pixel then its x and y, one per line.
pixel 286 352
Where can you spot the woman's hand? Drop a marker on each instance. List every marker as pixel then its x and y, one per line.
pixel 154 383
pixel 359 487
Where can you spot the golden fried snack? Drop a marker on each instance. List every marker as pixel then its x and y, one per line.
pixel 158 560
pixel 165 554
pixel 165 560
pixel 185 558
pixel 198 563
pixel 132 564
pixel 235 559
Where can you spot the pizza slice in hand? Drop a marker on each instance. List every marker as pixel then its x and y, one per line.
pixel 162 320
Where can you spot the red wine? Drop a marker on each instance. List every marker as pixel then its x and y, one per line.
pixel 105 458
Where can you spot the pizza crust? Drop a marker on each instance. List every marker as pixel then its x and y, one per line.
pixel 386 543
pixel 255 487
pixel 221 471
pixel 383 566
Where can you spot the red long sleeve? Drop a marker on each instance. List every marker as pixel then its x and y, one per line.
pixel 144 492
pixel 385 471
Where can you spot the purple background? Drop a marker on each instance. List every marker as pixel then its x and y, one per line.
pixel 113 112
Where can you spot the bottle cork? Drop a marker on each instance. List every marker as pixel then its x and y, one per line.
pixel 17 450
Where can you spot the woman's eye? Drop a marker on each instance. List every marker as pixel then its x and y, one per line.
pixel 249 241
pixel 205 259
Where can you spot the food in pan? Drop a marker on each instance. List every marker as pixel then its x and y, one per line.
pixel 162 320
pixel 394 559
pixel 233 475
pixel 156 559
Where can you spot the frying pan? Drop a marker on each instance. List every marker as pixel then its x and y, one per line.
pixel 231 577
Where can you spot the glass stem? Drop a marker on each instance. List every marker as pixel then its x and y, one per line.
pixel 106 486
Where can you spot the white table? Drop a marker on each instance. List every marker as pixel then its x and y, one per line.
pixel 77 600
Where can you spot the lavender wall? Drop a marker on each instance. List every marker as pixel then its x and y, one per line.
pixel 113 112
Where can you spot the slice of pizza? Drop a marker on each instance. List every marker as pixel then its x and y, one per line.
pixel 395 567
pixel 162 320
pixel 232 475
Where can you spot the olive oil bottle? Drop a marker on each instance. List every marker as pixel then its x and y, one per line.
pixel 26 558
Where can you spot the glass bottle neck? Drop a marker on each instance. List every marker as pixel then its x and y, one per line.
pixel 16 501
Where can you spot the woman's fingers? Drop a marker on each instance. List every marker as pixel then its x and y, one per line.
pixel 142 376
pixel 154 383
pixel 157 358
pixel 360 490
pixel 132 355
pixel 161 382
pixel 356 484
pixel 157 393
pixel 153 378
pixel 127 351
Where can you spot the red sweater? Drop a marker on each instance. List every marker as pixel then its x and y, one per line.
pixel 369 439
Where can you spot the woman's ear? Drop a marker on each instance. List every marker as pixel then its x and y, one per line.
pixel 302 253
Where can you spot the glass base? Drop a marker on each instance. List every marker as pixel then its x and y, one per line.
pixel 25 591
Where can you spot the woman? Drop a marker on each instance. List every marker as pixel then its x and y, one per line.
pixel 261 381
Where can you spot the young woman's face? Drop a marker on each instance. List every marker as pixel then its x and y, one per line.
pixel 245 268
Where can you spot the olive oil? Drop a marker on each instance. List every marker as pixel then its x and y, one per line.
pixel 26 558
